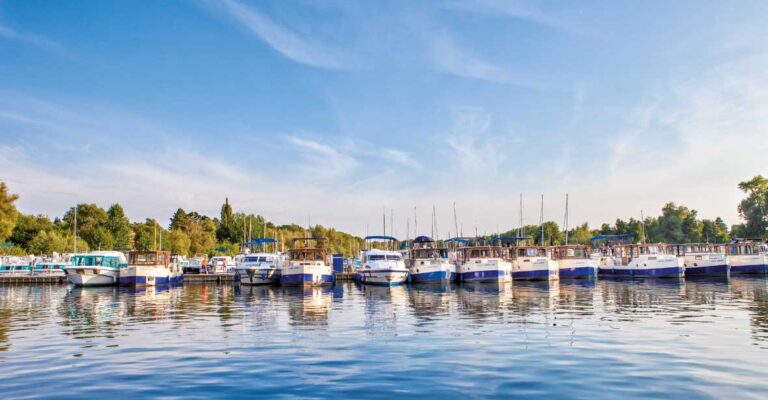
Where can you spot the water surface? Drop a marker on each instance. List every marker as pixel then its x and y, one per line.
pixel 605 339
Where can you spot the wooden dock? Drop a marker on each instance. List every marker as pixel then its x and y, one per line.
pixel 32 279
pixel 207 278
pixel 188 278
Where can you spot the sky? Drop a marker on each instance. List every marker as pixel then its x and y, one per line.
pixel 334 111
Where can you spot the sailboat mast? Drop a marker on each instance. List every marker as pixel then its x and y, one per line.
pixel 541 220
pixel 566 219
pixel 75 230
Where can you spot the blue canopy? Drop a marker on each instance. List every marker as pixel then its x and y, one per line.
pixel 457 240
pixel 260 241
pixel 423 239
pixel 6 244
pixel 508 239
pixel 381 238
pixel 618 237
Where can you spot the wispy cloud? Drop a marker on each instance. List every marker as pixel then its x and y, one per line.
pixel 30 38
pixel 526 11
pixel 323 161
pixel 452 59
pixel 284 41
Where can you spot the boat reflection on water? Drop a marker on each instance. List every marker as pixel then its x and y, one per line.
pixel 430 302
pixel 638 298
pixel 754 290
pixel 150 303
pixel 535 297
pixel 384 306
pixel 309 306
pixel 261 305
pixel 92 312
pixel 481 301
pixel 705 291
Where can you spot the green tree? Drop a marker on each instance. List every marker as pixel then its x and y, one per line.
pixel 179 242
pixel 7 212
pixel 754 209
pixel 91 225
pixel 180 220
pixel 27 227
pixel 118 226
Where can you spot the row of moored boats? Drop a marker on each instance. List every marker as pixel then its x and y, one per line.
pixel 423 260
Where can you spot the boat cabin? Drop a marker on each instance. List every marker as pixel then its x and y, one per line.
pixel 746 248
pixel 528 251
pixel 472 252
pixel 572 251
pixel 149 258
pixel 695 248
pixel 308 253
pixel 97 260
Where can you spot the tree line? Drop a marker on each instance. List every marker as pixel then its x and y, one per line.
pixel 191 233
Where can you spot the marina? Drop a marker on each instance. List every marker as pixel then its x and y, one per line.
pixel 162 341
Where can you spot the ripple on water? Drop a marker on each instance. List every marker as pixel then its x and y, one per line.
pixel 583 339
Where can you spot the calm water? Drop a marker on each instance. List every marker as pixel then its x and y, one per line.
pixel 607 339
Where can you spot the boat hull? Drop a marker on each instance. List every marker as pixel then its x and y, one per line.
pixel 496 275
pixel 711 270
pixel 661 272
pixel 382 277
pixel 105 278
pixel 432 277
pixel 749 269
pixel 148 276
pixel 578 273
pixel 311 279
pixel 266 276
pixel 535 275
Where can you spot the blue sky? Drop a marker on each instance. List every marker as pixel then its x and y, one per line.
pixel 337 109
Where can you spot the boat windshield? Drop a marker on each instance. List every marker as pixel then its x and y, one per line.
pixel 95 261
pixel 377 257
pixel 393 257
pixel 257 259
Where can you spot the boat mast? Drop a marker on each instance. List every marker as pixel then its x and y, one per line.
pixel 566 219
pixel 415 223
pixel 541 220
pixel 642 222
pixel 75 231
pixel 455 220
pixel 521 228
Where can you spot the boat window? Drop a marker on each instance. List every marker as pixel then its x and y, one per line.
pixel 251 259
pixel 151 258
pixel 376 257
pixel 531 252
pixel 394 258
pixel 161 259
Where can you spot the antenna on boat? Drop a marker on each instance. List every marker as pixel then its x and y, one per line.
pixel 541 220
pixel 392 222
pixel 566 219
pixel 642 224
pixel 161 240
pixel 155 239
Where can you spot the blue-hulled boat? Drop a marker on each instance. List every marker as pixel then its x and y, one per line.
pixel 748 257
pixel 430 264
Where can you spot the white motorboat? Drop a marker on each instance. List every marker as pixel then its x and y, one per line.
pixel 701 259
pixel 483 264
pixel 748 257
pixel 430 264
pixel 150 268
pixel 533 263
pixel 574 262
pixel 307 265
pixel 261 268
pixel 98 268
pixel 381 266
